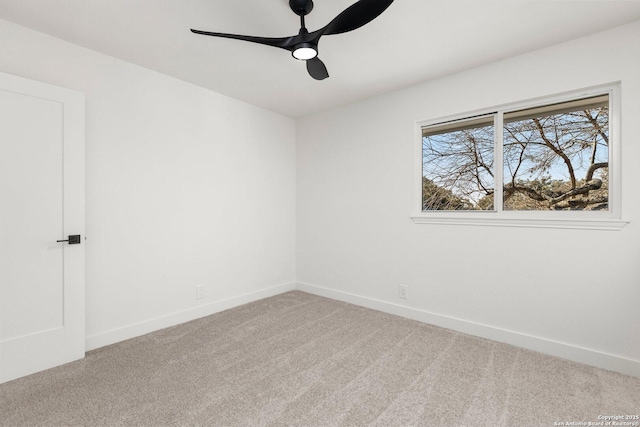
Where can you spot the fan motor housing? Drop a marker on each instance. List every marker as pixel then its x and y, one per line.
pixel 301 7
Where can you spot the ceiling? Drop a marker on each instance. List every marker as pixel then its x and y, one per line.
pixel 412 42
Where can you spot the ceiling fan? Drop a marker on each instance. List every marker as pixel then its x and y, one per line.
pixel 304 46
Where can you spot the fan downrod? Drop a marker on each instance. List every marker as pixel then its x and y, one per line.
pixel 301 7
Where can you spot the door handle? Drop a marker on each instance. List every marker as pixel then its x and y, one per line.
pixel 73 240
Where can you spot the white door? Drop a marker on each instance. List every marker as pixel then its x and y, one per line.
pixel 41 201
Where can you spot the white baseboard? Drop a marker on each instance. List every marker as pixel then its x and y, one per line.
pixel 116 335
pixel 542 345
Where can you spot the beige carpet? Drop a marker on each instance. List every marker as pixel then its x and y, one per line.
pixel 301 360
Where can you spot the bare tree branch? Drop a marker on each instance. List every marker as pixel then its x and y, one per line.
pixel 558 151
pixel 593 168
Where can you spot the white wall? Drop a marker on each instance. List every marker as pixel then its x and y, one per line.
pixel 574 293
pixel 185 187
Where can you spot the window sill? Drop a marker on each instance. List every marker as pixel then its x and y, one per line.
pixel 582 224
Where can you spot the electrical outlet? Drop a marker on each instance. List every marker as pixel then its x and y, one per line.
pixel 199 292
pixel 403 291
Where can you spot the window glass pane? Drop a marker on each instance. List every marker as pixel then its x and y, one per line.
pixel 557 157
pixel 457 166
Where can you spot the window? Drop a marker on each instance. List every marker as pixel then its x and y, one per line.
pixel 534 164
pixel 557 157
pixel 457 165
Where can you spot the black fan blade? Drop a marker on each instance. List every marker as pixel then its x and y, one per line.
pixel 281 42
pixel 317 69
pixel 356 15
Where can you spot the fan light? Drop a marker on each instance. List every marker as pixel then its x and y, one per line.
pixel 305 51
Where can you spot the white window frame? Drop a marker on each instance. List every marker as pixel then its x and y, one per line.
pixel 598 220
